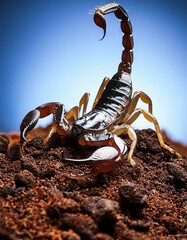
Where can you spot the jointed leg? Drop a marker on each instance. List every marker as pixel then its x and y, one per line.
pixel 101 89
pixel 132 135
pixel 153 120
pixel 138 95
pixel 83 103
pixel 78 111
pixel 72 114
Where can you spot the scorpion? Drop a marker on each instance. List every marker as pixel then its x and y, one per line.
pixel 113 111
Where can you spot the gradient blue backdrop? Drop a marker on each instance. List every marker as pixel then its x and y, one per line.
pixel 49 51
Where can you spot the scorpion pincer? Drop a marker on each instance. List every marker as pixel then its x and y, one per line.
pixel 113 111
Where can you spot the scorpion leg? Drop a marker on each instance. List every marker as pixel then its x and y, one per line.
pixel 118 130
pixel 131 116
pixel 136 96
pixel 83 103
pixel 153 120
pixel 72 114
pixel 78 111
pixel 31 119
pixel 101 89
pixel 104 159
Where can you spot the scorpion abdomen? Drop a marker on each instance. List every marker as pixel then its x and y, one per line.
pixel 116 96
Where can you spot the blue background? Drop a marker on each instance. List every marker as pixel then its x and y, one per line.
pixel 49 51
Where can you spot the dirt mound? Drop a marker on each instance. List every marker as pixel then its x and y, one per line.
pixel 37 200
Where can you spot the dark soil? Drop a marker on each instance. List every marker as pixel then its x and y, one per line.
pixel 37 200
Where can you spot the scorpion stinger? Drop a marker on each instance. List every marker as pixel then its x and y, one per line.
pixel 113 111
pixel 126 27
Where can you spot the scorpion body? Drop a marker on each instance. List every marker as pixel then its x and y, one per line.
pixel 113 111
pixel 117 94
pixel 115 98
pixel 109 109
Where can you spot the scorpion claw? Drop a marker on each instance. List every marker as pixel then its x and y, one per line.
pixel 103 160
pixel 100 22
pixel 28 123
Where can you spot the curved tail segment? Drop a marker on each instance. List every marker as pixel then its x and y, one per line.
pixel 126 27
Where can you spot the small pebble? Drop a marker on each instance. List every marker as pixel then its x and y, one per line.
pixel 104 211
pixel 4 141
pixel 14 152
pixel 133 196
pixel 24 179
pixel 178 172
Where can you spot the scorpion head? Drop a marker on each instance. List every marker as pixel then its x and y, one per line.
pixel 92 122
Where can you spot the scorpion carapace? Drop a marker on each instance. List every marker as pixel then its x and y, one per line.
pixel 113 111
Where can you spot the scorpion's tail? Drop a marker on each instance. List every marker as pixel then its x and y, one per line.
pixel 126 27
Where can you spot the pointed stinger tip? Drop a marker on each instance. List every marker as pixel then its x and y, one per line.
pixel 100 22
pixel 103 36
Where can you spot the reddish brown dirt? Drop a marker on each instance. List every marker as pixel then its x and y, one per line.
pixel 37 201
